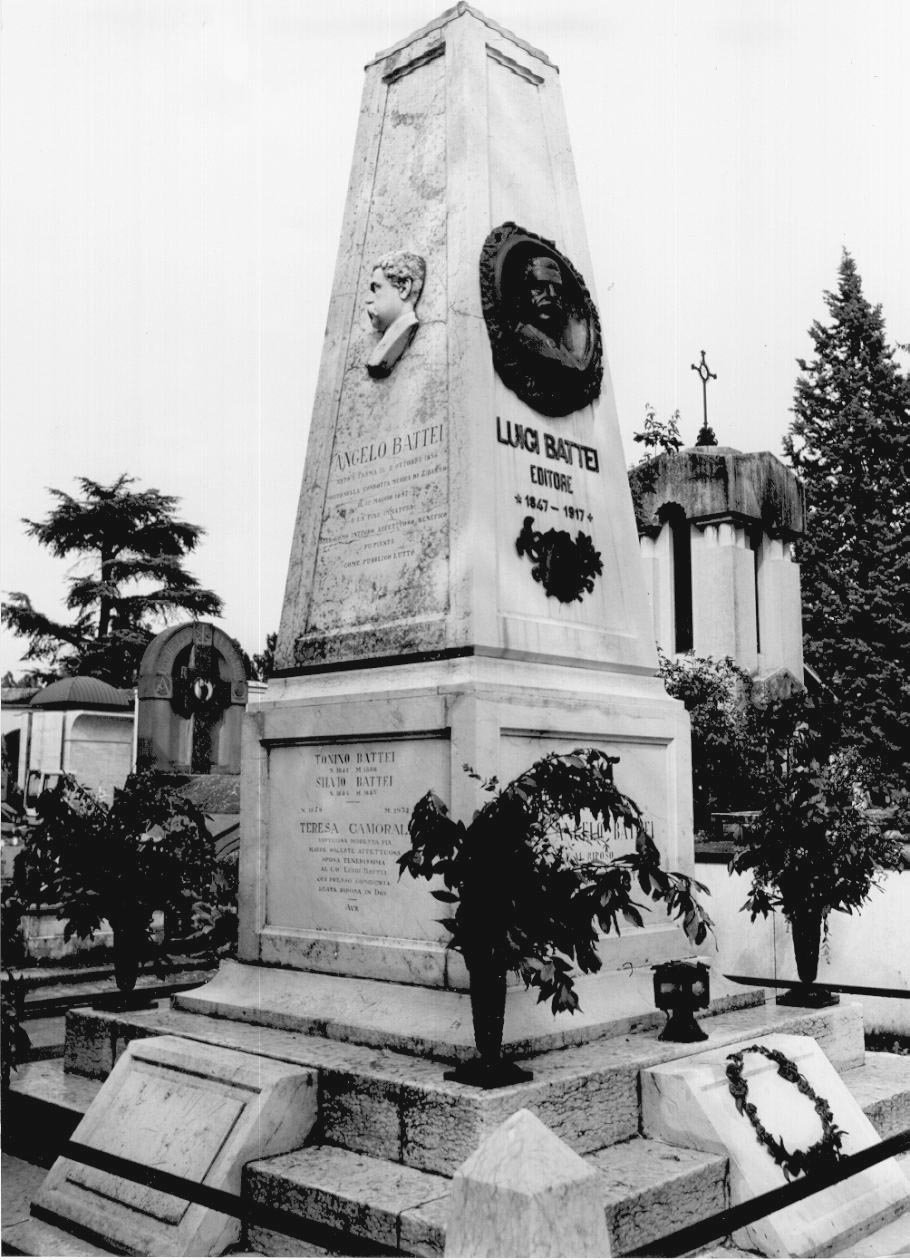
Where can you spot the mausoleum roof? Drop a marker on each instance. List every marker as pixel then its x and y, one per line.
pixel 82 692
pixel 714 483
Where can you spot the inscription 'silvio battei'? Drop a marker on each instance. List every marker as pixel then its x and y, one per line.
pixel 353 826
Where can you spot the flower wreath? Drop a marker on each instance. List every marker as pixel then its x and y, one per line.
pixel 823 1153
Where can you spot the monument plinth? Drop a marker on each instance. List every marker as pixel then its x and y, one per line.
pixel 464 584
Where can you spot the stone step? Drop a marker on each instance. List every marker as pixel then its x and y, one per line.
pixel 40 1238
pixel 42 1108
pixel 348 1201
pixel 650 1188
pixel 400 1108
pixel 345 1200
pixel 882 1088
pixel 437 1023
pixel 358 1204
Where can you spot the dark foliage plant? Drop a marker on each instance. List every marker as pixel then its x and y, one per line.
pixel 519 899
pixel 15 1042
pixel 147 851
pixel 739 735
pixel 214 916
pixel 813 847
pixel 849 442
pixel 133 547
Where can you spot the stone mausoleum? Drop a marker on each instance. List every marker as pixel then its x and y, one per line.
pixel 717 529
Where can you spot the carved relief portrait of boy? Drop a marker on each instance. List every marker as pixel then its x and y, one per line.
pixel 395 288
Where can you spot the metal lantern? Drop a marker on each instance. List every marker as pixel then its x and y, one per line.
pixel 681 987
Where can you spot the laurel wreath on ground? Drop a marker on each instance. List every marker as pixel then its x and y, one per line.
pixel 817 1158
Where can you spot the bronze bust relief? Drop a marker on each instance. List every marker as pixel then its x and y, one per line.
pixel 543 326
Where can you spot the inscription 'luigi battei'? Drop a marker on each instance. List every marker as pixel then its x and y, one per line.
pixel 524 437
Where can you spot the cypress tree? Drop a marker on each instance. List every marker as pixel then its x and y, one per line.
pixel 848 441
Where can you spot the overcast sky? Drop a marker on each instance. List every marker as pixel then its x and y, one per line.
pixel 174 174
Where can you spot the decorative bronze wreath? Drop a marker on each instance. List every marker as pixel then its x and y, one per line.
pixel 565 567
pixel 555 377
pixel 823 1153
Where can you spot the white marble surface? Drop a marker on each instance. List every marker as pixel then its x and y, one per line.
pixel 525 1193
pixel 688 1103
pixel 498 716
pixel 198 1111
pixel 405 536
pixel 428 1022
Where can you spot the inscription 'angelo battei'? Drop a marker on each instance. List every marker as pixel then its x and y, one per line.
pixel 544 328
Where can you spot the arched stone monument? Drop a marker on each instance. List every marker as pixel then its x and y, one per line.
pixel 192 693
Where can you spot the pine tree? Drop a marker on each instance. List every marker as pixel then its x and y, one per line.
pixel 849 441
pixel 135 547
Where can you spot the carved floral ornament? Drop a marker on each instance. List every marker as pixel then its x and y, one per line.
pixel 816 1158
pixel 564 566
pixel 543 326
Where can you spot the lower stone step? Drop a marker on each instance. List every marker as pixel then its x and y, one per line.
pixel 401 1108
pixel 39 1238
pixel 357 1204
pixel 344 1200
pixel 347 1200
pixel 882 1088
pixel 42 1108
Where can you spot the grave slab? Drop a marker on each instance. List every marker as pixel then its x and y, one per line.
pixel 689 1103
pixel 200 1112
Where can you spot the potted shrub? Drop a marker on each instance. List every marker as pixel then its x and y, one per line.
pixel 148 851
pixel 520 901
pixel 813 847
pixel 15 1042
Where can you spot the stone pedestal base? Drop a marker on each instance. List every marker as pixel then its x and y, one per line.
pixel 433 1022
pixel 334 764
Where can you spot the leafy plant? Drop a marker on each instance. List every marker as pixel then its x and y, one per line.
pixel 12 942
pixel 813 847
pixel 727 740
pixel 658 436
pixel 148 851
pixel 516 894
pixel 215 914
pixel 14 1040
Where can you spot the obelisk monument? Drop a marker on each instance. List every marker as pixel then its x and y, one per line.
pixel 464 583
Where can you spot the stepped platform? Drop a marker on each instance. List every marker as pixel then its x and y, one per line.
pixel 373 1178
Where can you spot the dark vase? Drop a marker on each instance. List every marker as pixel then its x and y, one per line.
pixel 488 1008
pixel 806 930
pixel 126 957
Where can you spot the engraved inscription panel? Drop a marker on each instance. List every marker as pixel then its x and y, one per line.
pixel 641 774
pixel 382 552
pixel 339 823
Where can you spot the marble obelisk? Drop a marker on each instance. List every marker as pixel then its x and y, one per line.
pixel 465 583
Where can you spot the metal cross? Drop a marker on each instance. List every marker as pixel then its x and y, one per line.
pixel 705 375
